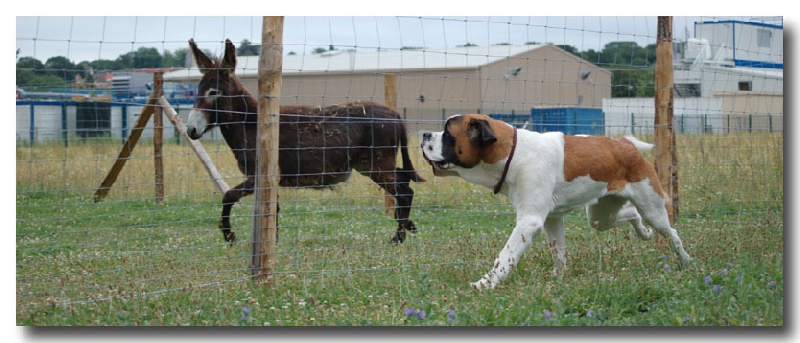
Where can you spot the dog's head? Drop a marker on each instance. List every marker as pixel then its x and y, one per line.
pixel 466 141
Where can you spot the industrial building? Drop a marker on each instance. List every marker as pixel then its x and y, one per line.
pixel 432 84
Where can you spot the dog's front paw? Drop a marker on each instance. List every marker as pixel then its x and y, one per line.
pixel 481 285
pixel 685 263
pixel 559 271
pixel 484 283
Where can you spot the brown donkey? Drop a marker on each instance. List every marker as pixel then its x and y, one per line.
pixel 319 146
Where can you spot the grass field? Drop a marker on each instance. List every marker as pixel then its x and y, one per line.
pixel 129 261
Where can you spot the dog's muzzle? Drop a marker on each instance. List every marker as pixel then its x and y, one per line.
pixel 440 168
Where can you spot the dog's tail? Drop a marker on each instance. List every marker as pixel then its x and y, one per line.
pixel 640 145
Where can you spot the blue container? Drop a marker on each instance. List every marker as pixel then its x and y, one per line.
pixel 569 120
pixel 516 120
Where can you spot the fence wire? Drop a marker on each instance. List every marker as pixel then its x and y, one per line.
pixel 78 98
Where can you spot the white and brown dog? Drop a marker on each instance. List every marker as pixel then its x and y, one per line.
pixel 547 175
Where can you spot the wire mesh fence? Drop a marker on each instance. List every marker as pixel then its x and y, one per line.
pixel 130 260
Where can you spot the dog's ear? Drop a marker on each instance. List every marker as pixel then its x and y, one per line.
pixel 481 132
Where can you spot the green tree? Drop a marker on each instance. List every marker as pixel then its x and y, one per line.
pixel 25 77
pixel 98 65
pixel 631 66
pixel 125 61
pixel 62 67
pixel 174 59
pixel 248 49
pixel 30 64
pixel 146 58
pixel 28 69
pixel 591 55
pixel 570 49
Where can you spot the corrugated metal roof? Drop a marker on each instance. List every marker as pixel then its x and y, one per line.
pixel 346 61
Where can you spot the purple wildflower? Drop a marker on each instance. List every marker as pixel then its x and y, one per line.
pixel 666 266
pixel 451 315
pixel 707 279
pixel 716 288
pixel 739 278
pixel 548 314
pixel 724 272
pixel 245 313
pixel 771 284
pixel 686 319
pixel 414 312
pixel 663 256
pixel 589 314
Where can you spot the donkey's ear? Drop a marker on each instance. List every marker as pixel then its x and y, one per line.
pixel 229 60
pixel 204 63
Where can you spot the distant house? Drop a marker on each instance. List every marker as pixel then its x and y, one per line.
pixel 103 79
pixel 433 83
pixel 128 84
pixel 136 83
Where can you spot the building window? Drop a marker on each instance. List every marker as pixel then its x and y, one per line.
pixel 687 90
pixel 745 85
pixel 764 39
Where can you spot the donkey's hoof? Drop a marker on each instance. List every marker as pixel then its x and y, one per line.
pixel 411 227
pixel 230 237
pixel 399 237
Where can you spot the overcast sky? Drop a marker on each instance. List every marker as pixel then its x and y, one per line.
pixel 88 38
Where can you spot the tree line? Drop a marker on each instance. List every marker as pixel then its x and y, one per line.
pixel 631 66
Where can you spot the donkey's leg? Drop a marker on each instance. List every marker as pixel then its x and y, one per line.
pixel 230 198
pixel 404 196
pixel 404 178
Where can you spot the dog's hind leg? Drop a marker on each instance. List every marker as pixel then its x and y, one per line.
pixel 628 212
pixel 612 211
pixel 651 205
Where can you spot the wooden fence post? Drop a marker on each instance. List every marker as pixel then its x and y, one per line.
pixel 265 220
pixel 158 137
pixel 390 94
pixel 127 148
pixel 196 146
pixel 666 162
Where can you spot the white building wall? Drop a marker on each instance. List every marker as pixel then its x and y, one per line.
pixel 743 41
pixel 636 116
pixel 47 122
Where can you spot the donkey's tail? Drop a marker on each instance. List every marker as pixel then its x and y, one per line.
pixel 408 167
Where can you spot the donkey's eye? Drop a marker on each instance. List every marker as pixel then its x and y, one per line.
pixel 212 93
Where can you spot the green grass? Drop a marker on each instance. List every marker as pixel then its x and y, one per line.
pixel 128 261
